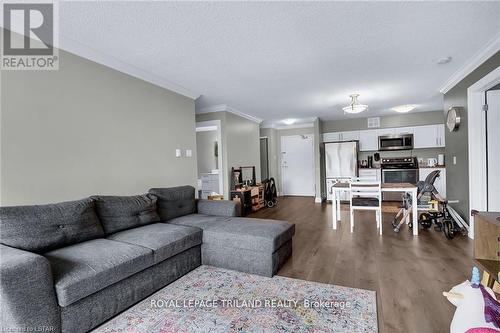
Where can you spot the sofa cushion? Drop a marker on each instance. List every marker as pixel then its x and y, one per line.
pixel 166 240
pixel 199 220
pixel 124 212
pixel 41 228
pixel 241 232
pixel 85 268
pixel 174 201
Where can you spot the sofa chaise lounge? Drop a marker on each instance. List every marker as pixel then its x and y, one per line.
pixel 70 266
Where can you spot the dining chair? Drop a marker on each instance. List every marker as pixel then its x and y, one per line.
pixel 366 194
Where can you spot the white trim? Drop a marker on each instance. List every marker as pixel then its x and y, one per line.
pixel 492 47
pixel 227 108
pixel 304 125
pixel 318 200
pixel 87 52
pixel 206 128
pixel 477 143
pixel 220 160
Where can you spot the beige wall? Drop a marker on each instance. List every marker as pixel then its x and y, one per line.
pixel 87 129
pixel 240 142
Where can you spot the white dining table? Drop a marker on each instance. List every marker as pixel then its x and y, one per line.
pixel 385 187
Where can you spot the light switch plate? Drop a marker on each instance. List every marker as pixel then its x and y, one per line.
pixel 178 153
pixel 454 160
pixel 189 153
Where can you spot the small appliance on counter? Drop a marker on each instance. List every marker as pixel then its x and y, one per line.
pixel 441 159
pixel 432 162
pixel 370 161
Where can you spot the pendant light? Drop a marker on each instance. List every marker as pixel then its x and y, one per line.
pixel 355 107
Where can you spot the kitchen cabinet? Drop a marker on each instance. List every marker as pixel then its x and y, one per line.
pixel 405 130
pixel 349 136
pixel 441 135
pixel 369 173
pixel 368 140
pixel 440 183
pixel 429 136
pixel 386 131
pixel 331 137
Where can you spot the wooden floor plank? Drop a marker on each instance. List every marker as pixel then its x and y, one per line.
pixel 409 273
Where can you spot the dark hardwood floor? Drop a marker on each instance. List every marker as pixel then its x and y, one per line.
pixel 408 273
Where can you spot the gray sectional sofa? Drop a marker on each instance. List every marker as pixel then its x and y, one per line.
pixel 70 266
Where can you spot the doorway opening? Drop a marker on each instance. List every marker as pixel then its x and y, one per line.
pixel 483 106
pixel 264 158
pixel 209 159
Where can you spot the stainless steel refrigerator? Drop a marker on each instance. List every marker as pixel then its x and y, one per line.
pixel 341 162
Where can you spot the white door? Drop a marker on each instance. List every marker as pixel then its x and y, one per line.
pixel 493 138
pixel 297 165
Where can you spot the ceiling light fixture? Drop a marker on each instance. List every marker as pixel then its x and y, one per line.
pixel 289 121
pixel 404 108
pixel 444 60
pixel 354 107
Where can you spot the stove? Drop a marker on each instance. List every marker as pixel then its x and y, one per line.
pixel 399 163
pixel 398 170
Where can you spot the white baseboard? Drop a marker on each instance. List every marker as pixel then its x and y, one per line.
pixel 318 200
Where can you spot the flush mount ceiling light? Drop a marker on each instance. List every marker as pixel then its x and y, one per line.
pixel 444 60
pixel 289 121
pixel 355 107
pixel 404 108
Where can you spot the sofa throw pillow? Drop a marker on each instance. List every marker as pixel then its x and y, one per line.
pixel 124 212
pixel 40 228
pixel 175 201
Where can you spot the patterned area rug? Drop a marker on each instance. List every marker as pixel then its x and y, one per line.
pixel 210 299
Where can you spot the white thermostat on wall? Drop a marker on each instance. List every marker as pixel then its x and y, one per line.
pixel 178 153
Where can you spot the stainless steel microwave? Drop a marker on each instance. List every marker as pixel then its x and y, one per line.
pixel 395 142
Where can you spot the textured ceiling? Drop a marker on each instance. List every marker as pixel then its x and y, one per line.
pixel 276 60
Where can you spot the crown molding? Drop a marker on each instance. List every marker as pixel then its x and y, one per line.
pixel 227 108
pixel 492 47
pixel 306 123
pixel 87 52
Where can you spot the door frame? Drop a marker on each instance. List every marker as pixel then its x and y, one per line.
pixel 220 148
pixel 267 151
pixel 477 143
pixel 282 177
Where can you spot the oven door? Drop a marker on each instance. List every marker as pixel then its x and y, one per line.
pixel 398 176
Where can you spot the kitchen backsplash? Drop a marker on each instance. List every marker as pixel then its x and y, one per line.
pixel 424 153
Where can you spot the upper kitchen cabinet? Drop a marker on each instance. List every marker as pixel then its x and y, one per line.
pixel 368 140
pixel 331 137
pixel 430 136
pixel 341 136
pixel 350 135
pixel 386 131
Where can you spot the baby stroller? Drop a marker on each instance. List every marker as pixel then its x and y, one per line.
pixel 270 193
pixel 440 215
